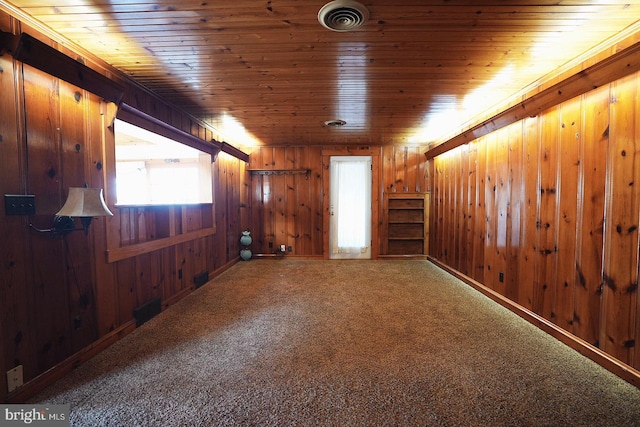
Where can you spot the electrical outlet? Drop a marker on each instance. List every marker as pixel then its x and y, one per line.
pixel 290 248
pixel 283 248
pixel 14 378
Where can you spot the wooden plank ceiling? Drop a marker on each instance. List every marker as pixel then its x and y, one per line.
pixel 267 73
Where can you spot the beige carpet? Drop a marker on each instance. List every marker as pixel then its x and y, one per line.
pixel 341 343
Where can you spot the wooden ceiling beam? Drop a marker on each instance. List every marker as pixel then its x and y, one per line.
pixel 33 52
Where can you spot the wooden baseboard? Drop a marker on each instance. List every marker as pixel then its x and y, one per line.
pixel 177 297
pixel 58 371
pixel 409 257
pixel 224 268
pixel 276 256
pixel 603 359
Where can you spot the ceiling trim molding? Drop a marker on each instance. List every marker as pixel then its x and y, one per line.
pixel 614 67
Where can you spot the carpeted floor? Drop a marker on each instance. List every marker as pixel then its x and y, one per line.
pixel 341 343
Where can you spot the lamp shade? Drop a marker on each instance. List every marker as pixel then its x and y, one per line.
pixel 84 202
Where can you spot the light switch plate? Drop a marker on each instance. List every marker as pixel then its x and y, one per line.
pixel 19 204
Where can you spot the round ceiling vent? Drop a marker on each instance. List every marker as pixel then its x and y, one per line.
pixel 335 123
pixel 343 15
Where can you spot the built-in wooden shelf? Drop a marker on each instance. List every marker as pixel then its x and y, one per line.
pixel 405 225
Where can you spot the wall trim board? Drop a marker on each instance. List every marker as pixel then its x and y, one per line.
pixel 225 147
pixel 218 271
pixel 403 257
pixel 58 371
pixel 143 120
pixel 118 254
pixel 297 257
pixel 31 51
pixel 611 364
pixel 614 67
pixel 177 297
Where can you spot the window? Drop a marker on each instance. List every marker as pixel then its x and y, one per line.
pixel 152 169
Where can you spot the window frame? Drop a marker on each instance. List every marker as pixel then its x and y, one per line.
pixel 116 251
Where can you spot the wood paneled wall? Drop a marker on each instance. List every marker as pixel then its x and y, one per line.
pixel 404 170
pixel 546 213
pixel 61 299
pixel 287 205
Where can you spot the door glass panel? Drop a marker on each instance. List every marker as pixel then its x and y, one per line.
pixel 350 210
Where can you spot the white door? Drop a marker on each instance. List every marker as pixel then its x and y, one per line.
pixel 350 207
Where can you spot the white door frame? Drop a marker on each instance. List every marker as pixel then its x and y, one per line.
pixel 376 194
pixel 337 214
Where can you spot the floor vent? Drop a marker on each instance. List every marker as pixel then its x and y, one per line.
pixel 147 310
pixel 201 278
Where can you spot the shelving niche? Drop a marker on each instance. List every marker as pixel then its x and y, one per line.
pixel 405 225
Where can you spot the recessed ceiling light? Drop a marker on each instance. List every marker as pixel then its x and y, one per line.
pixel 343 15
pixel 335 123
